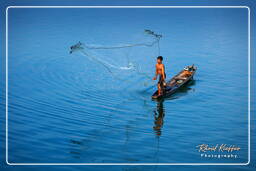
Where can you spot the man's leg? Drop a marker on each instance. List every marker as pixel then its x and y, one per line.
pixel 159 89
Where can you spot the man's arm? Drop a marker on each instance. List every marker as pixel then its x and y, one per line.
pixel 155 74
pixel 163 71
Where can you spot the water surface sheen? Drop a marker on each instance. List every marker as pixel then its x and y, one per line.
pixel 65 108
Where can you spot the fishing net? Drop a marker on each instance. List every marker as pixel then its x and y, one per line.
pixel 124 61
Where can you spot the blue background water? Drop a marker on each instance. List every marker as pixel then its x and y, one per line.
pixel 66 108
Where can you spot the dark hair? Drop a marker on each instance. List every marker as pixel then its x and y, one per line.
pixel 160 57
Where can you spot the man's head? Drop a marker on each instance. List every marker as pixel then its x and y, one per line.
pixel 159 59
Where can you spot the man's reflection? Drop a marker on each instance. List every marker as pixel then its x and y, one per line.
pixel 159 118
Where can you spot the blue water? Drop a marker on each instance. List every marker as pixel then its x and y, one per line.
pixel 66 108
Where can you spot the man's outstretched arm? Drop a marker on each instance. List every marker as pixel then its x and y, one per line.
pixel 155 74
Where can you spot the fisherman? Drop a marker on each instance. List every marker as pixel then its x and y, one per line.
pixel 160 71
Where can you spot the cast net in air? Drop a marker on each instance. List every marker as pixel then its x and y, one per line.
pixel 126 59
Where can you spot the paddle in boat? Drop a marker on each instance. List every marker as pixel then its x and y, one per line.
pixel 176 82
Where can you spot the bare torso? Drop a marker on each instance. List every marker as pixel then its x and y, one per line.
pixel 160 69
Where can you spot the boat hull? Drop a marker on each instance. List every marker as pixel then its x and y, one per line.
pixel 173 85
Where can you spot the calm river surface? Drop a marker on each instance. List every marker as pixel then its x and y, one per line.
pixel 66 108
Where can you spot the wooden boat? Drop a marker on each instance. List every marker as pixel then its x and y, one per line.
pixel 177 82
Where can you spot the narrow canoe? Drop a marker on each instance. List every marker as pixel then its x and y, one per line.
pixel 177 82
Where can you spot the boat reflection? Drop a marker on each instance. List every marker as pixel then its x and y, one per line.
pixel 159 112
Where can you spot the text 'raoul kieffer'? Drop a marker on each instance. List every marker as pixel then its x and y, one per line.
pixel 217 148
